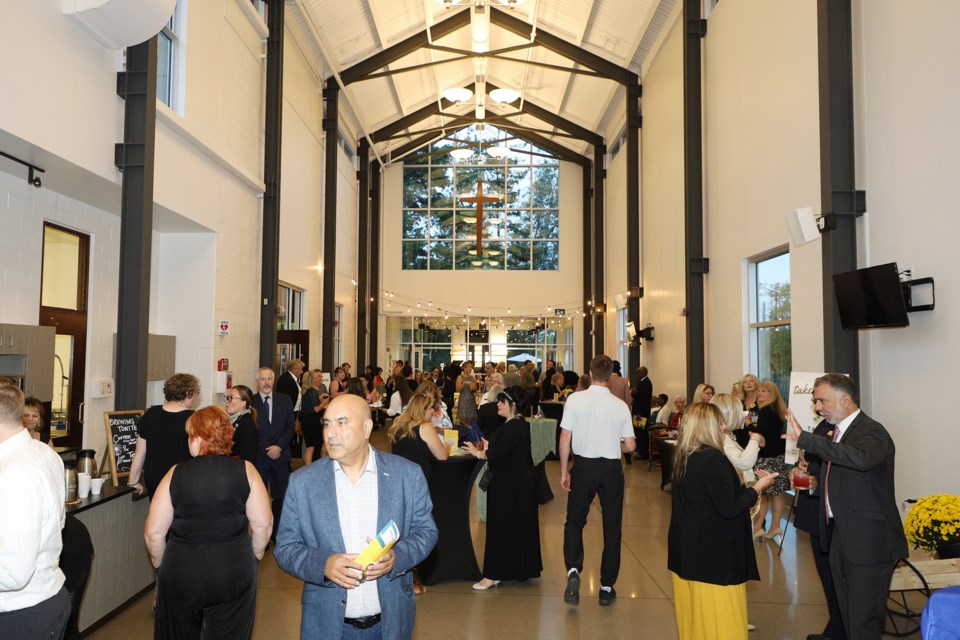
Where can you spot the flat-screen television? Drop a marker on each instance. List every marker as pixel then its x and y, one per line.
pixel 871 297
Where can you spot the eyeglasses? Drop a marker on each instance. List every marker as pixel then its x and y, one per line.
pixel 229 398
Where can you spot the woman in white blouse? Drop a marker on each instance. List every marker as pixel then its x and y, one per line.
pixel 742 459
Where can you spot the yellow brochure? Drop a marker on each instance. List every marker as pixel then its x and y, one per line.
pixel 380 545
pixel 452 437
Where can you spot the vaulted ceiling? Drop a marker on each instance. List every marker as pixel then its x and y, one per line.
pixel 343 35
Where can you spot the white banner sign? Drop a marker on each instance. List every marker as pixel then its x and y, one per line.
pixel 800 403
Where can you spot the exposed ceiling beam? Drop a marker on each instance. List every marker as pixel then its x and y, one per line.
pixel 403 48
pixel 407 121
pixel 560 46
pixel 558 121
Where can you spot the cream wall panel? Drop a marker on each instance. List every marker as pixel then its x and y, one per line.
pixel 762 158
pixel 661 157
pixel 59 87
pixel 911 149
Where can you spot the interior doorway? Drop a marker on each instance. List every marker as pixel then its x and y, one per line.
pixel 63 305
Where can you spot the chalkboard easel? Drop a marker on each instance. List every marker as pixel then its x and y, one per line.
pixel 121 429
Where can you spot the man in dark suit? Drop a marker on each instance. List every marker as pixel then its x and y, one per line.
pixel 275 422
pixel 642 397
pixel 859 524
pixel 807 518
pixel 289 383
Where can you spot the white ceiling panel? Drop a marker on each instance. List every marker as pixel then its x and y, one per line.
pixel 625 32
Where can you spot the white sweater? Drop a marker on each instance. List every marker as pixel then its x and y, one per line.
pixel 742 459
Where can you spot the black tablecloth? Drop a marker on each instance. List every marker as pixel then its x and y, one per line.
pixel 666 460
pixel 450 488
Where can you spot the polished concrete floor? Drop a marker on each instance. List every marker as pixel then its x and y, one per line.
pixel 786 604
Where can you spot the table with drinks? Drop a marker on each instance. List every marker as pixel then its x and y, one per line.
pixel 121 569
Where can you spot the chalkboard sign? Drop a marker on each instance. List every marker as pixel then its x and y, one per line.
pixel 121 429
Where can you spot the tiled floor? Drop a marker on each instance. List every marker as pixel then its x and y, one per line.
pixel 786 604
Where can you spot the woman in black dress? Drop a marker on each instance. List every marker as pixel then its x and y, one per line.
pixel 513 522
pixel 770 423
pixel 197 537
pixel 162 427
pixel 238 402
pixel 312 405
pixel 414 437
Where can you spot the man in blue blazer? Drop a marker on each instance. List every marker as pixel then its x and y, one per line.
pixel 859 524
pixel 275 422
pixel 333 508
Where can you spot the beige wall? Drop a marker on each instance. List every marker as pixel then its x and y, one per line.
pixel 907 90
pixel 761 159
pixel 661 204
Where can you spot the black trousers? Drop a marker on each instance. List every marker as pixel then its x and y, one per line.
pixel 45 620
pixel 834 629
pixel 592 477
pixel 862 591
pixel 276 476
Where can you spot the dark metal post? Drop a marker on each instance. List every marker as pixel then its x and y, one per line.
pixel 696 263
pixel 363 242
pixel 331 95
pixel 587 263
pixel 136 225
pixel 375 181
pixel 599 214
pixel 633 219
pixel 273 141
pixel 837 174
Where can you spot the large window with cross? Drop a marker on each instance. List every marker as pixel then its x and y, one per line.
pixel 481 199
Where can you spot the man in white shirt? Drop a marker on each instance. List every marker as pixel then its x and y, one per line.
pixel 33 600
pixel 599 428
pixel 333 507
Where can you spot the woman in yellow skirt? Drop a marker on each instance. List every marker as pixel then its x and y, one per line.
pixel 711 551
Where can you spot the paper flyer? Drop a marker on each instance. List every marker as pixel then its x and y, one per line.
pixel 452 437
pixel 380 545
pixel 800 402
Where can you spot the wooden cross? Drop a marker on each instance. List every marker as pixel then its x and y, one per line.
pixel 480 200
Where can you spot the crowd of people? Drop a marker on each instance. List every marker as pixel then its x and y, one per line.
pixel 221 489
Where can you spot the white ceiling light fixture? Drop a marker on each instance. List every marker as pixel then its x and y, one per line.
pixel 504 95
pixel 462 153
pixel 457 94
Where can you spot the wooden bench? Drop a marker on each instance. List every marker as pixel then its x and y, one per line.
pixel 937 574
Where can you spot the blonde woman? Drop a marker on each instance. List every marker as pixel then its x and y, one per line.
pixel 704 393
pixel 710 553
pixel 741 458
pixel 414 437
pixel 750 388
pixel 770 424
pixel 312 405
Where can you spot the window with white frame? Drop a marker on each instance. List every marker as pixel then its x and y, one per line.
pixel 168 58
pixel 623 340
pixel 770 352
pixel 338 334
pixel 289 307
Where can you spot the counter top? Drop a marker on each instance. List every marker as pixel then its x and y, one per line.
pixel 65 451
pixel 108 493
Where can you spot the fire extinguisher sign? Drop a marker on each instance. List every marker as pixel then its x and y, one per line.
pixel 224 327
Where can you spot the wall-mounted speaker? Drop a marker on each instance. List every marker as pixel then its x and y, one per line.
pixel 620 301
pixel 803 225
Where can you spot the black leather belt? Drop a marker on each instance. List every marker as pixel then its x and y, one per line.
pixel 363 623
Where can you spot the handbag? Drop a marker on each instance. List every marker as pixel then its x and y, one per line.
pixel 485 479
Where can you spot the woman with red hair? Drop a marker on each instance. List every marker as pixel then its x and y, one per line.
pixel 208 564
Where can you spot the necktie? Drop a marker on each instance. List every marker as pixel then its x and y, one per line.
pixel 826 477
pixel 266 404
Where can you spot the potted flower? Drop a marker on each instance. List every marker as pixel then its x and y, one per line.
pixel 933 523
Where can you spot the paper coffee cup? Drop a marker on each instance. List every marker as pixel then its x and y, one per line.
pixel 83 485
pixel 96 484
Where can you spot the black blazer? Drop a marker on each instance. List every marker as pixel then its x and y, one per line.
pixel 488 420
pixel 278 431
pixel 245 438
pixel 809 505
pixel 642 397
pixel 287 385
pixel 861 491
pixel 710 538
